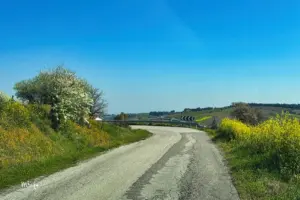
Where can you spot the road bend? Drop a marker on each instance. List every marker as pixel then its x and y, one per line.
pixel 175 163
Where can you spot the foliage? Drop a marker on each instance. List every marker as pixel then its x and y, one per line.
pixel 203 118
pixel 246 114
pixel 252 179
pixel 41 111
pixel 277 138
pixel 279 105
pixel 3 99
pixel 122 116
pixel 159 113
pixel 84 137
pixel 68 95
pixel 234 129
pixel 14 114
pixel 197 109
pixel 99 104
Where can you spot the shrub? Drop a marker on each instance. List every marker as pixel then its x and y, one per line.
pixel 234 129
pixel 14 114
pixel 246 114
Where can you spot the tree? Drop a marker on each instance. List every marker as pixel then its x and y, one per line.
pixel 122 116
pixel 68 95
pixel 246 114
pixel 99 104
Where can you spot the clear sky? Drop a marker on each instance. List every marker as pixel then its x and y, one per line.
pixel 151 55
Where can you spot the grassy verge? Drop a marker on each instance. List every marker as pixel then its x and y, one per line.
pixel 251 178
pixel 16 174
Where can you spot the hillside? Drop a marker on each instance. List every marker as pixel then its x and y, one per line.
pixel 205 117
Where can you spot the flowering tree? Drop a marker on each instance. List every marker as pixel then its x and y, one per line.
pixel 68 95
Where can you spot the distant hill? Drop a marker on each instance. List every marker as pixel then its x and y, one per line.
pixel 205 115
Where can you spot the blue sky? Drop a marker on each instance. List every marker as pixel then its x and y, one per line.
pixel 159 54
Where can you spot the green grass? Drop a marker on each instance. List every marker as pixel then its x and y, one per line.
pixel 45 166
pixel 251 177
pixel 201 119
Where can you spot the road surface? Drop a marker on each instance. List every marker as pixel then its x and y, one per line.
pixel 175 164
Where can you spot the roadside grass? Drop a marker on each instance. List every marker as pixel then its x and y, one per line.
pixel 251 177
pixel 72 152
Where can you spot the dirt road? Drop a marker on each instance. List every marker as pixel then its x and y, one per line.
pixel 175 163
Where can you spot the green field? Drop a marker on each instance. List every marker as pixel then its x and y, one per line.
pixel 205 117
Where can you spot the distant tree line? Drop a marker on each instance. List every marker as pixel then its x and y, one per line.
pixel 160 113
pixel 281 105
pixel 197 109
pixel 205 108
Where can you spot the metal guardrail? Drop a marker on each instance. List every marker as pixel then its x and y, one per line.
pixel 190 123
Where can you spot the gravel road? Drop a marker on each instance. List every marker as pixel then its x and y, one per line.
pixel 175 164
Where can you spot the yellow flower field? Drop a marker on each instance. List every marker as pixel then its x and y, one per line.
pixel 279 137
